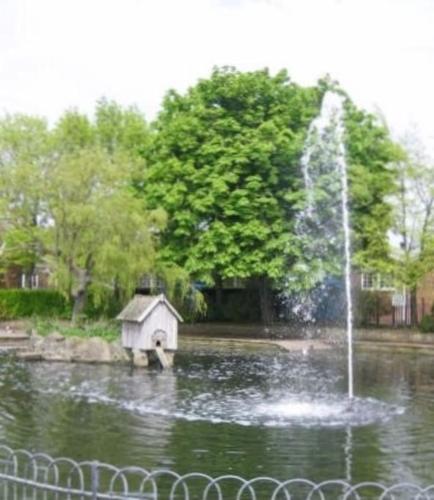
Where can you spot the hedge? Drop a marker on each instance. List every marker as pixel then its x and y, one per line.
pixel 427 324
pixel 20 303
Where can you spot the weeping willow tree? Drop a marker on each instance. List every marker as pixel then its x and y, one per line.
pixel 69 200
pixel 101 163
pixel 100 240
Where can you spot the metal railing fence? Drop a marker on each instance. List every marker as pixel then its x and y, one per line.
pixel 37 476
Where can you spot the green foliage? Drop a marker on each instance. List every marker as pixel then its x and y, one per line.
pixel 107 330
pixel 223 163
pixel 370 305
pixel 68 201
pixel 120 128
pixel 427 324
pixel 102 239
pixel 114 129
pixel 413 214
pixel 185 297
pixel 73 132
pixel 110 307
pixel 238 306
pixel 16 304
pixel 25 158
pixel 370 155
pixel 220 193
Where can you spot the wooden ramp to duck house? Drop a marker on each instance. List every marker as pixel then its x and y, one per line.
pixel 162 357
pixel 149 322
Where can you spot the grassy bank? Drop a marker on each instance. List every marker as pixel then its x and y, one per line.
pixel 107 329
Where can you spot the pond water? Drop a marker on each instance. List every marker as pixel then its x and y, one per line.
pixel 222 411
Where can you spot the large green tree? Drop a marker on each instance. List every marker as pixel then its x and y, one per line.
pixel 68 200
pixel 101 239
pixel 25 158
pixel 224 165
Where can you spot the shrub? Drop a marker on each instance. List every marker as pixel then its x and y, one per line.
pixel 371 305
pixel 109 308
pixel 426 324
pixel 237 305
pixel 17 303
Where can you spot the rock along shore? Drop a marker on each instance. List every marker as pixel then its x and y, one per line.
pixel 56 347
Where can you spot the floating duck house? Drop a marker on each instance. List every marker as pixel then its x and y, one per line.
pixel 150 325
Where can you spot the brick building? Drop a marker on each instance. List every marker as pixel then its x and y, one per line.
pixel 425 296
pixel 16 277
pixel 391 305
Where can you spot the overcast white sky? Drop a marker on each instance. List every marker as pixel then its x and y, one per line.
pixel 56 54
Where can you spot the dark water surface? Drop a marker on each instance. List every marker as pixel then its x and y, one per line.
pixel 232 411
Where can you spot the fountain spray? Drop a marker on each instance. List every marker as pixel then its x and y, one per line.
pixel 324 223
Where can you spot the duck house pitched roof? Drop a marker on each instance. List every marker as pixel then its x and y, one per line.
pixel 142 305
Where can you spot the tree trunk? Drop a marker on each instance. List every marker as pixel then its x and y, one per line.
pixel 79 295
pixel 413 307
pixel 218 297
pixel 80 299
pixel 265 299
pixel 377 310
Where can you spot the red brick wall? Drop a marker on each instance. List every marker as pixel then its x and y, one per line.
pixel 425 295
pixel 12 278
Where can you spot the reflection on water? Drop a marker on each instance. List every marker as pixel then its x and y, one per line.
pixel 225 412
pixel 348 454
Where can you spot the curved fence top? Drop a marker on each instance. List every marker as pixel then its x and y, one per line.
pixel 25 475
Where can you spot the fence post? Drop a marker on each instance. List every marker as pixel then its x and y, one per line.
pixel 94 471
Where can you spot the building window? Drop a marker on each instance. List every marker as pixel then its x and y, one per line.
pixel 368 281
pixel 377 281
pixel 34 281
pixel 385 282
pixel 234 283
pixel 29 280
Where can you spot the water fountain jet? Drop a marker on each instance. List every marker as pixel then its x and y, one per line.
pixel 324 224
